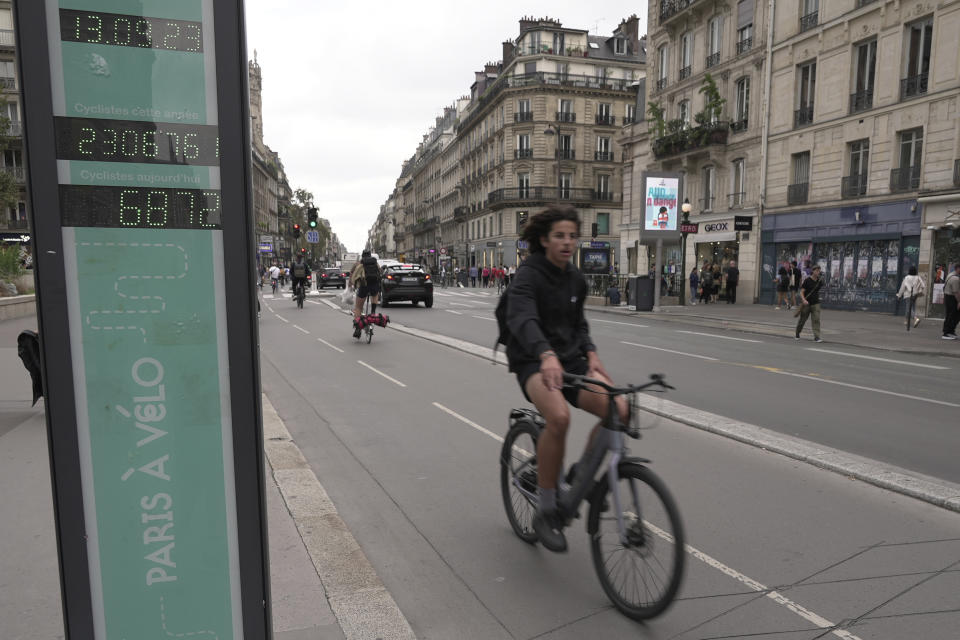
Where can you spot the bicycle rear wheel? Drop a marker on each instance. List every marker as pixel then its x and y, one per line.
pixel 642 574
pixel 518 478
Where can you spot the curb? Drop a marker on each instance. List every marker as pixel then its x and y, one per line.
pixel 937 492
pixel 358 598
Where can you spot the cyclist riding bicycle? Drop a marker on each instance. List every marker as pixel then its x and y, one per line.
pixel 299 271
pixel 549 335
pixel 366 277
pixel 274 277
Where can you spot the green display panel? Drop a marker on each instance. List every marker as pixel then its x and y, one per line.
pixel 137 149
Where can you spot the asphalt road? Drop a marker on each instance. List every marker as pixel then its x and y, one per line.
pixel 401 433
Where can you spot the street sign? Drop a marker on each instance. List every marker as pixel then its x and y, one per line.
pixel 266 248
pixel 137 111
pixel 443 250
pixel 692 227
pixel 313 236
pixel 742 223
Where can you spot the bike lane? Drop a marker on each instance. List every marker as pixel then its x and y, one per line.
pixel 419 487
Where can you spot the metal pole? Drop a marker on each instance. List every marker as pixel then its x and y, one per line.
pixel 656 275
pixel 683 268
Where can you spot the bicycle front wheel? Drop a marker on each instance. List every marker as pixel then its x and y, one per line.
pixel 640 570
pixel 518 479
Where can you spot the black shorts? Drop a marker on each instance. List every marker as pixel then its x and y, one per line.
pixel 368 289
pixel 576 367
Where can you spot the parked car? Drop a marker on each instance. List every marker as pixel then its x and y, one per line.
pixel 406 282
pixel 332 278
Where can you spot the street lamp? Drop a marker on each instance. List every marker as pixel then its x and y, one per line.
pixel 685 208
pixel 551 130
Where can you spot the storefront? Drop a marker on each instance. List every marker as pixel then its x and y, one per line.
pixel 863 251
pixel 716 243
pixel 939 248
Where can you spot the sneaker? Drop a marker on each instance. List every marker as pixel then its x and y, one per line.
pixel 777 309
pixel 549 528
pixel 796 337
pixel 356 331
pixel 916 322
pixel 818 340
pixel 949 337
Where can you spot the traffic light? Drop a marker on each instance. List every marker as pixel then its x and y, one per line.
pixel 593 230
pixel 296 231
pixel 312 217
pixel 303 249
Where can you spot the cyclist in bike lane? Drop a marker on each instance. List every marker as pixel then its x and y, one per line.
pixel 299 271
pixel 549 335
pixel 367 274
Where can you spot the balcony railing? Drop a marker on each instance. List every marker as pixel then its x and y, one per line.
pixel 565 154
pixel 8 84
pixel 523 116
pixel 425 225
pixel 803 116
pixel 670 8
pixel 500 197
pixel 861 101
pixel 797 193
pixel 809 21
pixel 905 179
pixel 566 116
pixel 685 72
pixel 956 173
pixel 15 129
pixel 461 213
pixel 17 224
pixel 913 86
pixel 744 45
pixel 691 139
pixel 7 38
pixel 603 156
pixel 629 119
pixel 738 125
pixel 606 119
pixel 16 172
pixel 853 186
pixel 706 203
pixel 713 59
pixel 522 153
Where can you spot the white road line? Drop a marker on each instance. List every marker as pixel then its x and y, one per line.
pixel 301 329
pixel 801 611
pixel 485 318
pixel 330 345
pixel 393 380
pixel 862 388
pixel 713 335
pixel 330 304
pixel 857 355
pixel 282 318
pixel 469 422
pixel 454 312
pixel 680 353
pixel 629 324
pixel 314 302
pixel 460 304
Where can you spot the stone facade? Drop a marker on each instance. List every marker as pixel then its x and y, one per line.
pixel 14 225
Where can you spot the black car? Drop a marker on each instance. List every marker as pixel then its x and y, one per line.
pixel 332 278
pixel 406 282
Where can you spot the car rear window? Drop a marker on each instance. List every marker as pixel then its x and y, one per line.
pixel 332 271
pixel 405 269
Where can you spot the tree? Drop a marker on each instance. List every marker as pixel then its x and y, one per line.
pixel 9 192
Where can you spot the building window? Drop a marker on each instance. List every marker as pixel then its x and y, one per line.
pixel 855 183
pixel 806 89
pixel 524 114
pixel 797 191
pixel 917 62
pixel 563 69
pixel 565 111
pixel 619 46
pixel 662 60
pixel 907 176
pixel 524 150
pixel 686 55
pixel 683 112
pixel 603 152
pixel 742 105
pixel 523 185
pixel 739 183
pixel 809 14
pixel 630 114
pixel 603 187
pixel 558 43
pixel 744 39
pixel 605 113
pixel 603 224
pixel 865 64
pixel 566 181
pixel 534 41
pixel 714 37
pixel 706 186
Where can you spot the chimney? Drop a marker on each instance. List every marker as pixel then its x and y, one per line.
pixel 527 22
pixel 491 68
pixel 508 48
pixel 630 28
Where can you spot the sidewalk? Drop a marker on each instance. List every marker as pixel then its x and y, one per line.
pixel 881 331
pixel 30 603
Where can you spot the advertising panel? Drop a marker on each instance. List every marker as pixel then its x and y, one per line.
pixel 662 198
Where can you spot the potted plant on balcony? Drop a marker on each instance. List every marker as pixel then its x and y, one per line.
pixel 658 125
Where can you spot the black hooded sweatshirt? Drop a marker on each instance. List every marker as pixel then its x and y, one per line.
pixel 545 311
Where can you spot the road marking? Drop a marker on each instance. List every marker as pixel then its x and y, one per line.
pixel 454 312
pixel 330 345
pixel 713 335
pixel 460 304
pixel 629 324
pixel 801 611
pixel 314 302
pixel 377 371
pixel 268 296
pixel 282 318
pixel 469 422
pixel 862 388
pixel 301 329
pixel 681 353
pixel 486 318
pixel 330 304
pixel 856 355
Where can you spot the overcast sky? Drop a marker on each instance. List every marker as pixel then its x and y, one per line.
pixel 349 88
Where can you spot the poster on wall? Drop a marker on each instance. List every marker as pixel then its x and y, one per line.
pixel 595 260
pixel 661 202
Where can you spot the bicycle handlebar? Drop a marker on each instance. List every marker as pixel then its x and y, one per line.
pixel 656 379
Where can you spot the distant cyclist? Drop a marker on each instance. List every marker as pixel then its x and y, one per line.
pixel 549 336
pixel 299 272
pixel 274 277
pixel 366 276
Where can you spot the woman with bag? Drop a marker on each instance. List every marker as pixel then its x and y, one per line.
pixel 911 289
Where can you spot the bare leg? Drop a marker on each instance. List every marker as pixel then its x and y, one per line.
pixel 552 442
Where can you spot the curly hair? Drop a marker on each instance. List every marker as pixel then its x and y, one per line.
pixel 541 223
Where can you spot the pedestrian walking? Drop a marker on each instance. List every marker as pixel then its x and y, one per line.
pixel 783 287
pixel 694 285
pixel 795 279
pixel 511 271
pixel 717 276
pixel 951 303
pixel 910 291
pixel 473 276
pixel 706 283
pixel 485 274
pixel 810 304
pixel 733 279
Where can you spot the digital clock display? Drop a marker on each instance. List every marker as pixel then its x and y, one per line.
pixel 92 27
pixel 137 141
pixel 139 207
